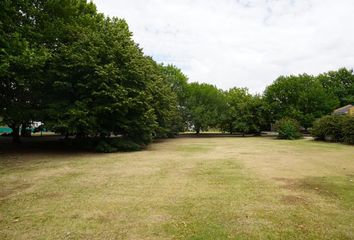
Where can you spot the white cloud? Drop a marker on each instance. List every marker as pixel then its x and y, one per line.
pixel 244 43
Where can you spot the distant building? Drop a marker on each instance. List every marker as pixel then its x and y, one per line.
pixel 349 109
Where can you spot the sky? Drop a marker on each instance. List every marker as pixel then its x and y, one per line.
pixel 241 43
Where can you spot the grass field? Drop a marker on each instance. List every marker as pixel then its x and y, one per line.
pixel 185 188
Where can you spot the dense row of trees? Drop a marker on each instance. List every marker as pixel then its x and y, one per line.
pixel 79 72
pixel 303 98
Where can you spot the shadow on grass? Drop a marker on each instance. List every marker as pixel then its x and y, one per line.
pixel 220 135
pixel 45 144
pixel 339 189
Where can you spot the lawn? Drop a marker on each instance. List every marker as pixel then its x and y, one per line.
pixel 184 188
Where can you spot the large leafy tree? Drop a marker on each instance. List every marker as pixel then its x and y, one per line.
pixel 300 97
pixel 243 112
pixel 204 103
pixel 72 34
pixel 107 85
pixel 164 102
pixel 102 82
pixel 178 83
pixel 22 58
pixel 80 73
pixel 339 83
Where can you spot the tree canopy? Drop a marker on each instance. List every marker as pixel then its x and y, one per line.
pixel 339 83
pixel 243 112
pixel 80 73
pixel 203 104
pixel 299 97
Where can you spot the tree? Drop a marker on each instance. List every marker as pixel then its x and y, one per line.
pixel 178 83
pixel 243 112
pixel 339 83
pixel 22 59
pixel 101 82
pixel 204 103
pixel 231 116
pixel 165 103
pixel 80 73
pixel 299 97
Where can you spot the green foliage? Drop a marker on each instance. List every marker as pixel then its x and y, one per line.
pixel 110 145
pixel 339 83
pixel 100 83
pixel 328 128
pixel 204 103
pixel 336 128
pixel 21 63
pixel 165 104
pixel 288 128
pixel 348 130
pixel 82 74
pixel 243 112
pixel 105 147
pixel 300 97
pixel 178 83
pixel 124 145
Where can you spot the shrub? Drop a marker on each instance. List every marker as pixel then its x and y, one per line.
pixel 337 128
pixel 348 129
pixel 328 128
pixel 82 143
pixel 125 145
pixel 288 128
pixel 110 145
pixel 104 147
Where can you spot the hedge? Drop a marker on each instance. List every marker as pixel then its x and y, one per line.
pixel 334 128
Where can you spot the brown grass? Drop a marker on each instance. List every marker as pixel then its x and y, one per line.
pixel 187 188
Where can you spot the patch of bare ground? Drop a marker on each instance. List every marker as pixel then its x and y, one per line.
pixel 294 199
pixel 7 191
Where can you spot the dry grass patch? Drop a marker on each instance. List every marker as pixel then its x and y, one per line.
pixel 187 188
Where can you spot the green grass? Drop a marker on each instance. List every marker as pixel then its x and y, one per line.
pixel 187 188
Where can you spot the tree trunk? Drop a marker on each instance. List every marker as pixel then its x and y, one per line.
pixel 24 131
pixel 16 134
pixel 197 130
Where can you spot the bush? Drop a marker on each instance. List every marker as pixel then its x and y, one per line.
pixel 110 145
pixel 125 145
pixel 288 128
pixel 328 128
pixel 348 130
pixel 83 143
pixel 104 147
pixel 336 128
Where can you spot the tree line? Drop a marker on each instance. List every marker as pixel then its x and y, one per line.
pixel 81 74
pixel 303 98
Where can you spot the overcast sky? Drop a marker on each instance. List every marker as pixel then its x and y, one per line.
pixel 243 43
